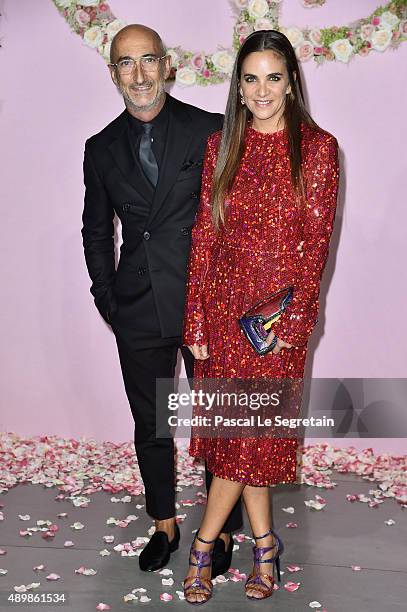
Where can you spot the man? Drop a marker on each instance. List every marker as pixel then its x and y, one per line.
pixel 145 167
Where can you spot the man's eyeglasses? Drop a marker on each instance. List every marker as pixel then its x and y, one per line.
pixel 148 63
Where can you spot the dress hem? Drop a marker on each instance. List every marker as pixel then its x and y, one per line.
pixel 249 482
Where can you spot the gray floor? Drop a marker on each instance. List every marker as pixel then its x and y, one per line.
pixel 326 544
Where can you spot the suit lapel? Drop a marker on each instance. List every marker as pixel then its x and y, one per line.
pixel 178 138
pixel 125 158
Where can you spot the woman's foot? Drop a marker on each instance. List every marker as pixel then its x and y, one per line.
pixel 260 583
pixel 197 583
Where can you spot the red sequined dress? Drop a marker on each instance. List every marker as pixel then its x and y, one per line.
pixel 268 243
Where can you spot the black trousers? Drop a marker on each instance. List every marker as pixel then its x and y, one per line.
pixel 140 368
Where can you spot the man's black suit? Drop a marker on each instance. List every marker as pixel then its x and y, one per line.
pixel 144 298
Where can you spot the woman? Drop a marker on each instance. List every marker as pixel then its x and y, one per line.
pixel 265 218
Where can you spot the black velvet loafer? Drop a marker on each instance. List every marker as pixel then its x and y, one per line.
pixel 157 551
pixel 222 557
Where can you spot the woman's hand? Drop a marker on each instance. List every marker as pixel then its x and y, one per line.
pixel 280 343
pixel 199 352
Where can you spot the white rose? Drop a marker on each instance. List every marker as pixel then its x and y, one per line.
pixel 263 24
pixel 114 27
pixel 258 8
pixel 185 77
pixel 93 37
pixel 381 39
pixel 389 19
pixel 295 36
pixel 88 2
pixel 223 61
pixel 174 57
pixel 65 3
pixel 342 49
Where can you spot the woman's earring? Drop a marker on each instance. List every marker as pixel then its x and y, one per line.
pixel 242 100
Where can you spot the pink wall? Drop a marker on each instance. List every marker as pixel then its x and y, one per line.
pixel 59 363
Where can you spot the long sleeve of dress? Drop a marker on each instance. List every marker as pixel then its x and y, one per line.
pixel 203 236
pixel 321 187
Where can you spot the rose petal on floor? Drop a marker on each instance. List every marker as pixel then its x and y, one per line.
pixel 292 586
pixel 294 568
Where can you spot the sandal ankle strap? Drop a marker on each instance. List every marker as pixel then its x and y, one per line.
pixel 269 532
pixel 278 542
pixel 204 541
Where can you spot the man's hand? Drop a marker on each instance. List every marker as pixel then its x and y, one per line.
pixel 280 343
pixel 199 352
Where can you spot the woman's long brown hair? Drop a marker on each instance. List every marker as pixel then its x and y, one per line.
pixel 237 115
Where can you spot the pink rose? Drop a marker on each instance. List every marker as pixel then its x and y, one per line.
pixel 318 50
pixel 243 29
pixel 92 13
pixel 315 36
pixel 366 31
pixel 305 51
pixel 198 61
pixel 396 35
pixel 206 73
pixel 376 21
pixel 403 26
pixel 82 17
pixel 103 7
pixel 364 50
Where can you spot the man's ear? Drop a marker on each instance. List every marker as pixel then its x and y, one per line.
pixel 167 66
pixel 113 74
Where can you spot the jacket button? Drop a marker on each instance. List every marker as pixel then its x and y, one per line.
pixel 146 235
pixel 126 207
pixel 141 271
pixel 194 195
pixel 185 231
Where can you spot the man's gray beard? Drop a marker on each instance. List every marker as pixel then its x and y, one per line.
pixel 138 109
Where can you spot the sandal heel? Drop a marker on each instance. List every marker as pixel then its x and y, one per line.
pixel 255 578
pixel 278 568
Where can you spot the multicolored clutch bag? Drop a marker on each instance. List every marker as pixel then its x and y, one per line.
pixel 256 323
